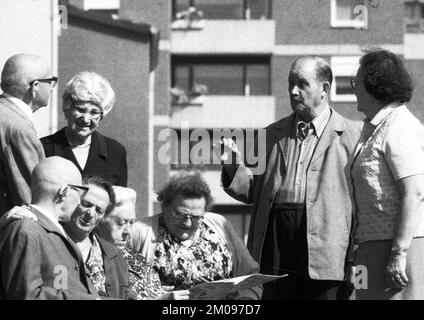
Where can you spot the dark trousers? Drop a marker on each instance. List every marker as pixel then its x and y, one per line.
pixel 285 250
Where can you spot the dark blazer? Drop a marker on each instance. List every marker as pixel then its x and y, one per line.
pixel 328 204
pixel 107 158
pixel 20 152
pixel 38 262
pixel 116 271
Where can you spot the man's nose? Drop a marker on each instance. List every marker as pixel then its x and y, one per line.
pixel 90 212
pixel 294 90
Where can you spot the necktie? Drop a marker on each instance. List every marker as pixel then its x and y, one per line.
pixel 302 129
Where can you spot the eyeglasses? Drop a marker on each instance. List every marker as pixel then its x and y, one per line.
pixel 353 83
pixel 80 189
pixel 121 223
pixel 185 216
pixel 78 106
pixel 52 81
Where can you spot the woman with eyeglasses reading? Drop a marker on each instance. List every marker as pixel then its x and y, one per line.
pixel 87 99
pixel 187 245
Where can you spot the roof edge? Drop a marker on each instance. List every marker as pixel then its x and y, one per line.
pixel 102 19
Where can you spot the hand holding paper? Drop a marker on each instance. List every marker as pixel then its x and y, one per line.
pixel 219 290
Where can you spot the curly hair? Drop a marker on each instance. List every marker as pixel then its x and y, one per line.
pixel 102 184
pixel 385 77
pixel 188 185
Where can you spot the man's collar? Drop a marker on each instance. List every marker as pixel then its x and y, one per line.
pixel 51 217
pixel 384 112
pixel 47 213
pixel 319 122
pixel 26 109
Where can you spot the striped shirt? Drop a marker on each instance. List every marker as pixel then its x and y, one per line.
pixel 299 154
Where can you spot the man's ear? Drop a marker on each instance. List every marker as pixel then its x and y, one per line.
pixel 61 193
pixel 326 87
pixel 34 87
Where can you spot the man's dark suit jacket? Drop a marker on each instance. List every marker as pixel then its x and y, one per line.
pixel 38 262
pixel 20 152
pixel 107 158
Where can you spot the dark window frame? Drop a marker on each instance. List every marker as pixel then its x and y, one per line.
pixel 246 6
pixel 244 61
pixel 414 24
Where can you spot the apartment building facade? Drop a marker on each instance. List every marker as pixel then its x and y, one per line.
pixel 223 64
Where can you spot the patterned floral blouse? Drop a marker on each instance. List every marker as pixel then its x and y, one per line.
pixel 185 264
pixel 144 280
pixel 94 268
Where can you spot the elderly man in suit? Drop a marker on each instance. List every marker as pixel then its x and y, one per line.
pixel 38 260
pixel 302 214
pixel 26 82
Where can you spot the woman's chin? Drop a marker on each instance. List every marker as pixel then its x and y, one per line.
pixel 85 131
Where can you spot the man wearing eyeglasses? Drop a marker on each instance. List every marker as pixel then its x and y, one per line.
pixel 27 83
pixel 38 260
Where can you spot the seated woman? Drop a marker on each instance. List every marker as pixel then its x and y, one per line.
pixel 115 227
pixel 187 245
pixel 87 100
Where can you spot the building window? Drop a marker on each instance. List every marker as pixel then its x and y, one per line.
pixel 344 69
pixel 349 14
pixel 414 16
pixel 226 9
pixel 242 76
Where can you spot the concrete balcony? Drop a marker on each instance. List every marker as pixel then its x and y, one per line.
pixel 413 46
pixel 226 112
pixel 225 37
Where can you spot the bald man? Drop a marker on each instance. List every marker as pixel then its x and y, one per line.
pixel 37 258
pixel 27 83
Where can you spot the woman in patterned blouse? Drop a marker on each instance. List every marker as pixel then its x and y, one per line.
pixel 187 245
pixel 115 228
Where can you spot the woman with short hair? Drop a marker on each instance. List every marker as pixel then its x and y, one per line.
pixel 115 227
pixel 187 245
pixel 387 176
pixel 87 99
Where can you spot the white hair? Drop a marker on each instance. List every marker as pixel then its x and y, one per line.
pixel 89 86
